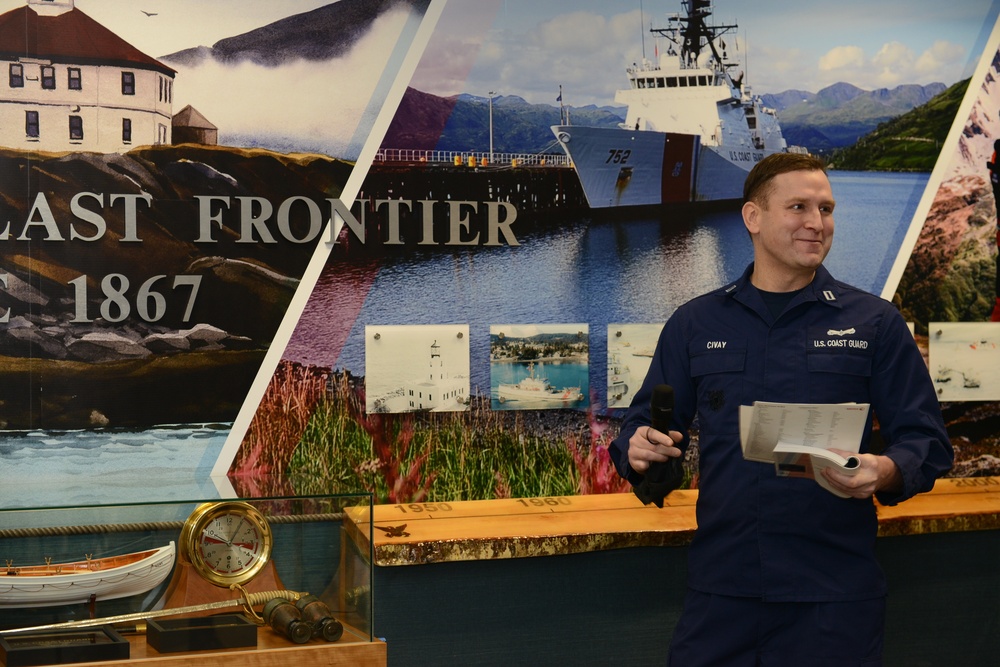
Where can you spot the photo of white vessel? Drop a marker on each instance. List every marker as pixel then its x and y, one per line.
pixel 537 389
pixel 692 131
pixel 619 377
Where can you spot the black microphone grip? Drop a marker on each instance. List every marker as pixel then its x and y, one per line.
pixel 660 478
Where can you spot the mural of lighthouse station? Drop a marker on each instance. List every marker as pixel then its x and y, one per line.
pixel 75 85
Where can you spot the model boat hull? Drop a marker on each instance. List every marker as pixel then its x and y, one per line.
pixel 69 583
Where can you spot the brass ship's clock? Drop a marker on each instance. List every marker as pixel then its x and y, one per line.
pixel 227 542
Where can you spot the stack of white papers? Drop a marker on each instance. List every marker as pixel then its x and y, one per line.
pixel 797 437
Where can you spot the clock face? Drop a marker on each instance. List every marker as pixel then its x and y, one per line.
pixel 228 542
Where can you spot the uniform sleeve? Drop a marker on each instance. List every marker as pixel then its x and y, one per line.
pixel 908 411
pixel 668 366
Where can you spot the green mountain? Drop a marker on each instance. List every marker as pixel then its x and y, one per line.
pixel 909 142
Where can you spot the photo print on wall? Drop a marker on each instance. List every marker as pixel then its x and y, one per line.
pixel 422 131
pixel 417 368
pixel 539 366
pixel 630 351
pixel 965 360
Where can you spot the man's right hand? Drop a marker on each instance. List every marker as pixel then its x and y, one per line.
pixel 647 445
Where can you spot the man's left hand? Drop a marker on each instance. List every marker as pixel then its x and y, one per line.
pixel 877 473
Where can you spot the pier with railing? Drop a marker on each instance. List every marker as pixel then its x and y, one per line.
pixel 532 182
pixel 477 159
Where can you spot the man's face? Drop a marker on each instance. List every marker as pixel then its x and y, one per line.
pixel 794 230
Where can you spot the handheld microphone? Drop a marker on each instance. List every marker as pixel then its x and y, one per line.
pixel 661 478
pixel 661 407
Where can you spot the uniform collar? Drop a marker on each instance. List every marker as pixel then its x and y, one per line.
pixel 823 289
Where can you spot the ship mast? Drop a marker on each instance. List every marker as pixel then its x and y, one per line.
pixel 692 33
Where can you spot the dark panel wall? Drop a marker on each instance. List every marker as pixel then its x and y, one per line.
pixel 619 607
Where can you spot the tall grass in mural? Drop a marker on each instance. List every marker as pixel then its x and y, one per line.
pixel 277 427
pixel 471 455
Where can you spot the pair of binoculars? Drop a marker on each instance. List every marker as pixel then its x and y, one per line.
pixel 309 617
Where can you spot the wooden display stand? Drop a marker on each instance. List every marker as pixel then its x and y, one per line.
pixel 471 530
pixel 940 551
pixel 271 651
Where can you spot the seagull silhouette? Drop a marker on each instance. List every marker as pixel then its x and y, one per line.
pixel 147 13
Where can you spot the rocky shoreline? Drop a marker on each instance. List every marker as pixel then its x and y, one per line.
pixel 46 337
pixel 155 305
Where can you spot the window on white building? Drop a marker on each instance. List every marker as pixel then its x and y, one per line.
pixel 126 130
pixel 16 75
pixel 166 89
pixel 76 128
pixel 128 83
pixel 48 77
pixel 31 124
pixel 75 80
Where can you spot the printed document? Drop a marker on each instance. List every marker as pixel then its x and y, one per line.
pixel 797 437
pixel 824 425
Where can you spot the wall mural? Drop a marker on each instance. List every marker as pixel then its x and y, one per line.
pixel 949 284
pixel 423 249
pixel 167 175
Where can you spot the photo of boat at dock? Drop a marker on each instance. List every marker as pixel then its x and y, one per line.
pixel 539 367
pixel 630 351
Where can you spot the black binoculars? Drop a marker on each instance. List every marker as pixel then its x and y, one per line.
pixel 309 617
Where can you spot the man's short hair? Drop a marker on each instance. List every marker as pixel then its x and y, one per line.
pixel 757 187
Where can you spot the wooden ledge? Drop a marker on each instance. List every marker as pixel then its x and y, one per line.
pixel 955 505
pixel 419 533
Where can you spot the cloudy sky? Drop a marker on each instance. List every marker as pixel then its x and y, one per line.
pixel 322 107
pixel 181 24
pixel 531 47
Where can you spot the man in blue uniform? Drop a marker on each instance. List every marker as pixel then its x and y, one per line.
pixel 781 571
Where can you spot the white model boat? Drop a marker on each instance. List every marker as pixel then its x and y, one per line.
pixel 67 583
pixel 692 131
pixel 537 389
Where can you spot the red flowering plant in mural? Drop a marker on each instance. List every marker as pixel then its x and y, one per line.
pixel 595 471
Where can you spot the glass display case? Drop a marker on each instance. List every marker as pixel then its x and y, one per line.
pixel 261 574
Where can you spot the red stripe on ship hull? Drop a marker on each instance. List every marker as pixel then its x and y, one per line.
pixel 676 177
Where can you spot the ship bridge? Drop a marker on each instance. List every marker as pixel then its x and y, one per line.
pixel 672 77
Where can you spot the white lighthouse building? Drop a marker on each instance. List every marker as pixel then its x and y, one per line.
pixel 73 85
pixel 437 390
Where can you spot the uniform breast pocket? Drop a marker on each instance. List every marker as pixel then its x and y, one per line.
pixel 839 377
pixel 718 377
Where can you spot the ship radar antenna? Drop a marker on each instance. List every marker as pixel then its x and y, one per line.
pixel 642 30
pixel 692 33
pixel 746 54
